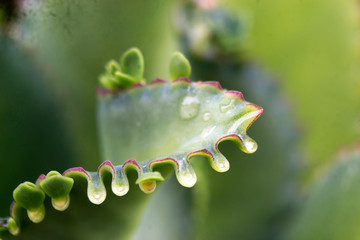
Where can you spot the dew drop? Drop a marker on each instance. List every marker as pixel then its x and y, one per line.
pixel 223 165
pixel 189 107
pixel 188 179
pixel 220 163
pixel 207 116
pixel 250 146
pixel 187 176
pixel 97 196
pixel 120 189
pixel 227 106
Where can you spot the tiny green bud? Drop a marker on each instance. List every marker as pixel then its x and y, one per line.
pixel 107 81
pixel 111 67
pixel 147 181
pixel 179 66
pixel 29 196
pixel 132 64
pixel 13 227
pixel 58 187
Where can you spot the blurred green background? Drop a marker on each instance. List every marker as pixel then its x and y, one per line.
pixel 52 52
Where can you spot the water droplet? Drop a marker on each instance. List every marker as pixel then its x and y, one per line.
pixel 189 107
pixel 188 179
pixel 227 106
pixel 250 146
pixel 207 131
pixel 223 165
pixel 96 196
pixel 220 163
pixel 207 116
pixel 120 189
pixel 187 176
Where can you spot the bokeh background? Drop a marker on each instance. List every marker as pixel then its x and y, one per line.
pixel 297 59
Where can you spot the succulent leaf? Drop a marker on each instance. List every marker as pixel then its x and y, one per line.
pixel 175 135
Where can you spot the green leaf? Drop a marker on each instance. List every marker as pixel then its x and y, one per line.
pixel 132 64
pixel 179 66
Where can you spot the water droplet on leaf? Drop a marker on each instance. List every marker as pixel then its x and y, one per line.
pixel 97 196
pixel 227 106
pixel 207 116
pixel 223 165
pixel 120 189
pixel 250 146
pixel 187 176
pixel 189 107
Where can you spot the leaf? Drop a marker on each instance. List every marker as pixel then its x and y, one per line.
pixel 179 66
pixel 168 135
pixel 132 64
